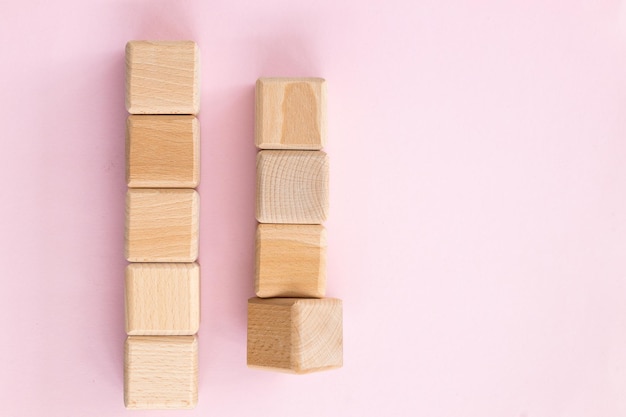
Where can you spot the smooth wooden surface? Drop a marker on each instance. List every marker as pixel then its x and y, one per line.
pixel 162 151
pixel 292 187
pixel 162 225
pixel 290 113
pixel 290 261
pixel 162 77
pixel 295 335
pixel 162 298
pixel 161 372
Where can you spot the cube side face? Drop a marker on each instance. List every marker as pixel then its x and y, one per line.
pixel 162 77
pixel 318 334
pixel 162 225
pixel 162 299
pixel 269 334
pixel 161 372
pixel 162 151
pixel 290 261
pixel 292 187
pixel 290 113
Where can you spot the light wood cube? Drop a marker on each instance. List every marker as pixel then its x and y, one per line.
pixel 292 187
pixel 296 335
pixel 290 260
pixel 162 152
pixel 162 299
pixel 161 372
pixel 162 77
pixel 162 225
pixel 290 113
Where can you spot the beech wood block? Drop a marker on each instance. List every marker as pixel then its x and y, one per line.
pixel 290 260
pixel 290 113
pixel 162 225
pixel 162 77
pixel 162 151
pixel 162 299
pixel 292 187
pixel 161 372
pixel 296 335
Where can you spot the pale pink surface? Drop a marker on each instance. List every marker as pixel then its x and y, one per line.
pixel 477 231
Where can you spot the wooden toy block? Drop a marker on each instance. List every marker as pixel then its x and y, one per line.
pixel 162 299
pixel 162 77
pixel 295 335
pixel 161 372
pixel 162 225
pixel 292 187
pixel 290 113
pixel 162 151
pixel 290 260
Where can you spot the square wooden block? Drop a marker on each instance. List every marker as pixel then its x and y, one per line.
pixel 161 372
pixel 295 335
pixel 162 77
pixel 162 299
pixel 292 187
pixel 162 225
pixel 290 113
pixel 162 152
pixel 290 260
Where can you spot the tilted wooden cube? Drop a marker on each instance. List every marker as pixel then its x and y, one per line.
pixel 162 225
pixel 290 113
pixel 292 187
pixel 161 372
pixel 162 77
pixel 162 299
pixel 162 151
pixel 290 260
pixel 295 335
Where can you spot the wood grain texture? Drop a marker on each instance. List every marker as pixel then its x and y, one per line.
pixel 290 261
pixel 161 372
pixel 290 113
pixel 162 225
pixel 292 187
pixel 162 151
pixel 162 299
pixel 296 335
pixel 162 77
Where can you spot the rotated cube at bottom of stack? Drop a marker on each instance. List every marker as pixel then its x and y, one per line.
pixel 297 335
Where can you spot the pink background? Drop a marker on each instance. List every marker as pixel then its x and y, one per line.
pixel 477 231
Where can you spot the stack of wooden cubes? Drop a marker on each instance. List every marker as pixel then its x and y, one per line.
pixel 162 214
pixel 291 326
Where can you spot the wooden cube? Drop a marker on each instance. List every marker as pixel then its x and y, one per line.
pixel 162 152
pixel 290 113
pixel 162 225
pixel 162 299
pixel 161 372
pixel 162 77
pixel 292 187
pixel 296 335
pixel 290 260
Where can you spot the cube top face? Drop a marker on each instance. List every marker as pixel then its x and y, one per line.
pixel 290 260
pixel 162 225
pixel 162 152
pixel 294 334
pixel 290 113
pixel 162 299
pixel 162 77
pixel 161 372
pixel 292 187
